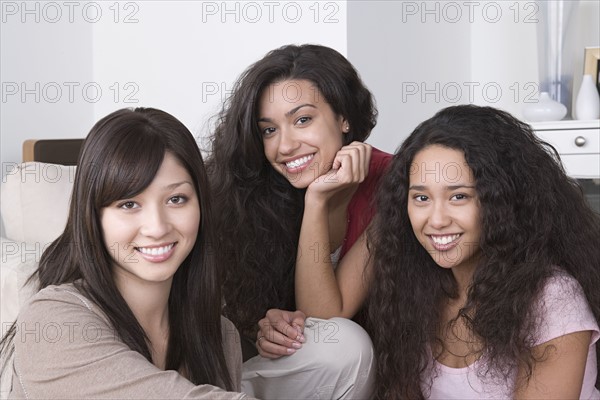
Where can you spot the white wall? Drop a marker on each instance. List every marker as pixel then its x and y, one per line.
pixel 184 56
pixel 420 56
pixel 40 64
pixel 181 56
pixel 416 56
pixel 406 62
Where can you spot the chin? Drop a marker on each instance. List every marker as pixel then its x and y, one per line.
pixel 300 183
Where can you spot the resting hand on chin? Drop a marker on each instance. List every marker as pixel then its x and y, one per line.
pixel 350 167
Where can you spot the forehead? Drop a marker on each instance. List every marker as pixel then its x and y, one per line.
pixel 171 166
pixel 291 92
pixel 438 164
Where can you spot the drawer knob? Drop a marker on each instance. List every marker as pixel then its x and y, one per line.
pixel 580 141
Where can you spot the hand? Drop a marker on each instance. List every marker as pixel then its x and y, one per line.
pixel 280 333
pixel 350 167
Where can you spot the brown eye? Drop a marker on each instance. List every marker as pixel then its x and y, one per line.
pixel 178 200
pixel 128 205
pixel 303 120
pixel 268 131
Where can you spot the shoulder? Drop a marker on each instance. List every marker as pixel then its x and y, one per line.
pixel 380 160
pixel 55 318
pixel 229 331
pixel 562 290
pixel 562 308
pixel 379 163
pixel 52 301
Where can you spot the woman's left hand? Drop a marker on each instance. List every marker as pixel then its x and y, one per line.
pixel 280 333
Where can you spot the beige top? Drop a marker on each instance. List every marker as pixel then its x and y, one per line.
pixel 65 347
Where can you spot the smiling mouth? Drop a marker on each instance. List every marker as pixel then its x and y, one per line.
pixel 444 242
pixel 444 239
pixel 299 162
pixel 156 251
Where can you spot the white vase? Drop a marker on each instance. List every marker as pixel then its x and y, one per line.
pixel 587 105
pixel 545 109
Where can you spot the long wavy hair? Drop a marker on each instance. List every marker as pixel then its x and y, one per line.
pixel 118 160
pixel 533 218
pixel 259 211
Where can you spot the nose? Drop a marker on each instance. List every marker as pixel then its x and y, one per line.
pixel 288 142
pixel 155 222
pixel 440 216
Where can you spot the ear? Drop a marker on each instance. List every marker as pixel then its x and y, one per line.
pixel 345 125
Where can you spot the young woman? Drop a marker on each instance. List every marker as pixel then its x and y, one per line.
pixel 293 183
pixel 485 268
pixel 130 302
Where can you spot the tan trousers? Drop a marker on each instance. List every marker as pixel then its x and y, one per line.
pixel 335 362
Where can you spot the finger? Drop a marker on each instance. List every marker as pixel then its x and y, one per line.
pixel 276 345
pixel 298 323
pixel 288 329
pixel 356 156
pixel 350 169
pixel 367 160
pixel 268 355
pixel 262 351
pixel 275 342
pixel 337 161
pixel 278 321
pixel 361 159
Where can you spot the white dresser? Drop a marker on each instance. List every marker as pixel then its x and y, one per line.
pixel 578 143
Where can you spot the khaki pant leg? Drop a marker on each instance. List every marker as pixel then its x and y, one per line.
pixel 335 362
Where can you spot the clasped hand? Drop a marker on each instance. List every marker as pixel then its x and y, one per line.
pixel 280 333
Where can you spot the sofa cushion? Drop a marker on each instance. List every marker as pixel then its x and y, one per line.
pixel 35 202
pixel 15 270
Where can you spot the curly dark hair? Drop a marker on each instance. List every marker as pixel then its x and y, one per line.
pixel 533 218
pixel 259 212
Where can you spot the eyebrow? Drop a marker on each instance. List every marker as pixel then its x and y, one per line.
pixel 451 187
pixel 177 184
pixel 289 113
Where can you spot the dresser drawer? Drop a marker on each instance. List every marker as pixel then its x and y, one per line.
pixel 573 141
pixel 581 166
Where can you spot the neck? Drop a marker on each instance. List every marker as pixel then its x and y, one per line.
pixel 149 302
pixel 464 278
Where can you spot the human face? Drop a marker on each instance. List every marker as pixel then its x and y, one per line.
pixel 149 235
pixel 443 207
pixel 301 133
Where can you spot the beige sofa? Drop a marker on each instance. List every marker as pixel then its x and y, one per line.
pixel 34 206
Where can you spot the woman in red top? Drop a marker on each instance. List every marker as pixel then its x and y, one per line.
pixel 293 181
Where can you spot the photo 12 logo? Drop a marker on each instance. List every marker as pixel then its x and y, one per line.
pixel 63 331
pixel 453 12
pixel 455 92
pixel 54 92
pixel 449 172
pixel 271 11
pixel 52 12
pixel 290 91
pixel 38 172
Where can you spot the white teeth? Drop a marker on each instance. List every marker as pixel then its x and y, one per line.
pixel 444 239
pixel 156 251
pixel 300 161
